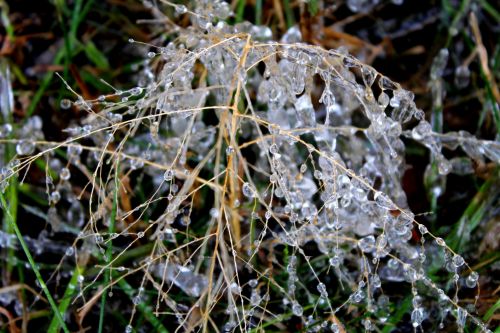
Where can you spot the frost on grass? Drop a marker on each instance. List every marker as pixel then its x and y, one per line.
pixel 247 195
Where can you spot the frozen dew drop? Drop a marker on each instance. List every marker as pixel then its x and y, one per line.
pixel 383 201
pixel 417 301
pixel 273 178
pixel 395 102
pixel 151 55
pixel 253 283
pixel 5 130
pixel 472 279
pixel 55 197
pixel 65 104
pixel 318 174
pixel 297 309
pixel 180 9
pixel 99 239
pixel 357 296
pixel 74 151
pixel 444 166
pixel 383 100
pixel 168 175
pixel 335 261
pixel 136 91
pixel 461 317
pixel 462 77
pixel 235 288
pixel 322 290
pixel 303 168
pixel 137 300
pixel 247 190
pixel 458 260
pixel 136 164
pixel 417 316
pixel 25 147
pixel 335 328
pixel 128 329
pixel 229 326
pixel 69 251
pixel 65 174
pixel 229 150
pixel 367 244
pixel 140 234
pixel 440 241
pixel 375 281
pixel 423 229
pixel 273 149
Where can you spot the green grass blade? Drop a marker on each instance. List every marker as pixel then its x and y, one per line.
pixel 27 252
pixel 240 10
pixel 290 21
pixel 472 215
pixel 63 306
pixel 258 12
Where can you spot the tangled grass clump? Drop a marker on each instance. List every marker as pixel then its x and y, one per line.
pixel 246 184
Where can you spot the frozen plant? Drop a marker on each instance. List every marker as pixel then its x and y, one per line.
pixel 265 200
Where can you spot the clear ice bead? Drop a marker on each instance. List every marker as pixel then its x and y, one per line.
pixel 248 191
pixel 25 147
pixel 297 309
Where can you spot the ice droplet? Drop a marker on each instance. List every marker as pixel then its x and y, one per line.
pixel 65 104
pixel 297 309
pixel 168 175
pixel 462 77
pixel 367 244
pixel 472 279
pixel 25 147
pixel 382 200
pixel 65 174
pixel 247 190
pixel 417 316
pixel 458 260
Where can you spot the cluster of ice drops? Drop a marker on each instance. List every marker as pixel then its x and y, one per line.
pixel 300 149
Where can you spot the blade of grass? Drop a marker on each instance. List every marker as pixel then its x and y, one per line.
pixel 240 9
pixel 402 309
pixel 32 262
pixel 472 215
pixel 96 56
pixel 67 44
pixel 258 12
pixel 4 17
pixel 459 14
pixel 6 106
pixel 491 311
pixel 55 326
pixel 109 249
pixel 44 84
pixel 490 9
pixel 77 17
pixel 313 7
pixel 290 21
